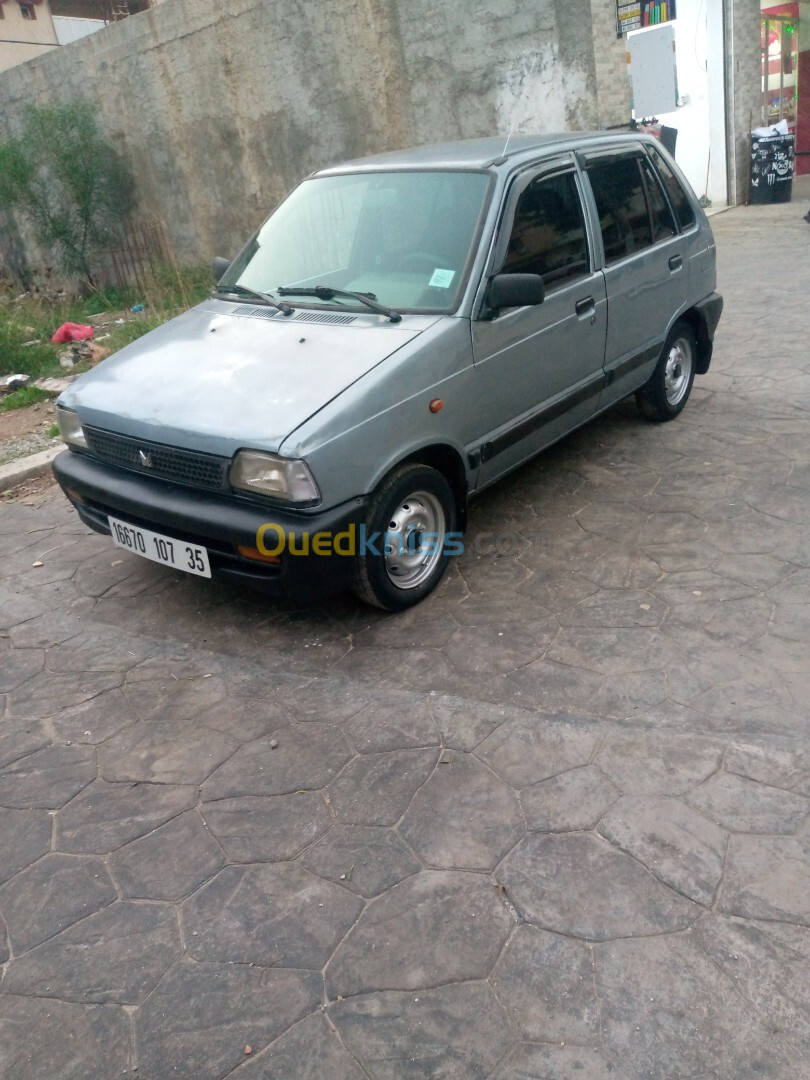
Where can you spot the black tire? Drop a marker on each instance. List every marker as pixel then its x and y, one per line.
pixel 670 385
pixel 411 501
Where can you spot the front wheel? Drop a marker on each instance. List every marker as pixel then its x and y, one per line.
pixel 669 386
pixel 403 552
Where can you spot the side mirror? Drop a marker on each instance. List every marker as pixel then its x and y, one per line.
pixel 515 290
pixel 219 266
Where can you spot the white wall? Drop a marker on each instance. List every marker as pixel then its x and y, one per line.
pixel 701 118
pixel 70 29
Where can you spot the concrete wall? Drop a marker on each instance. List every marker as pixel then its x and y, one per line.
pixel 222 108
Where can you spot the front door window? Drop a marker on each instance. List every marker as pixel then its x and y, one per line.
pixel 548 233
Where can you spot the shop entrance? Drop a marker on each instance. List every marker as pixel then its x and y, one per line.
pixel 786 68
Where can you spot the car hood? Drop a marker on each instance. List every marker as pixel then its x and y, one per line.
pixel 224 376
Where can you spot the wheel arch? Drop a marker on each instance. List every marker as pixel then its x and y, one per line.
pixel 446 460
pixel 703 319
pixel 653 398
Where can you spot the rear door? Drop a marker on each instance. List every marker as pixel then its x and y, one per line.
pixel 696 235
pixel 539 369
pixel 646 264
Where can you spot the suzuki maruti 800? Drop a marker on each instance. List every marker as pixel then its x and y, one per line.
pixel 400 333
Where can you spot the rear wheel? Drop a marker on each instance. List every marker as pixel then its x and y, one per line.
pixel 404 559
pixel 668 389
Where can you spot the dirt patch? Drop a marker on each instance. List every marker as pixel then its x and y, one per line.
pixel 26 431
pixel 19 422
pixel 32 492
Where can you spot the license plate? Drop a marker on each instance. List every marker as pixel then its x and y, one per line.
pixel 160 549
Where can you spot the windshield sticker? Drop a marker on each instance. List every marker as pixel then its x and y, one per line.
pixel 441 279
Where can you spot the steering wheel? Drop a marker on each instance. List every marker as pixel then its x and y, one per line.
pixel 421 260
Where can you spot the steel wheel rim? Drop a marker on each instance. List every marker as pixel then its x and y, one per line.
pixel 414 539
pixel 678 371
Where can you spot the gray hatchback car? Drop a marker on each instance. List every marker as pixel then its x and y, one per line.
pixel 399 334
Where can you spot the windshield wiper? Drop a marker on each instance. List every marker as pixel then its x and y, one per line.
pixel 266 298
pixel 326 292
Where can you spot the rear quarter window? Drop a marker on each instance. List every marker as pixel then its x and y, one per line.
pixel 663 223
pixel 681 204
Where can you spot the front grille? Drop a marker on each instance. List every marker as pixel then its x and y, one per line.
pixel 155 459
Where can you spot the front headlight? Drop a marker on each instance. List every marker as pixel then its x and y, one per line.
pixel 268 474
pixel 69 427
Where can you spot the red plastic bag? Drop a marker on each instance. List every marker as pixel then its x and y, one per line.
pixel 71 331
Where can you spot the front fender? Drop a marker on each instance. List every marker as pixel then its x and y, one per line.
pixel 386 418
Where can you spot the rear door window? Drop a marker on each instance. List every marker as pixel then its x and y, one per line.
pixel 621 203
pixel 634 211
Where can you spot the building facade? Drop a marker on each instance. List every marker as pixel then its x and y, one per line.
pixel 29 28
pixel 221 108
pixel 26 31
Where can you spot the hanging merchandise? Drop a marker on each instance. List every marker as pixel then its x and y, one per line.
pixel 641 13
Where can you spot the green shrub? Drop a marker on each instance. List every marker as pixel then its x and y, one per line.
pixel 36 360
pixel 67 180
pixel 19 399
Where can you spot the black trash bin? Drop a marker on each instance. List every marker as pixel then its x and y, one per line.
pixel 771 175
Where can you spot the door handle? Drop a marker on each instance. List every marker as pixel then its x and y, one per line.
pixel 585 308
pixel 675 263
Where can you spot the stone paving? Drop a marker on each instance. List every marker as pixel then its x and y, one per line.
pixel 554 823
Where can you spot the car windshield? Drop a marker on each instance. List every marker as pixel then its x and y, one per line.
pixel 404 238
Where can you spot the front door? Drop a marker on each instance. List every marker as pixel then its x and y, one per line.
pixel 539 369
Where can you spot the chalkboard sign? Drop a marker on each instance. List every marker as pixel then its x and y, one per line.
pixel 771 176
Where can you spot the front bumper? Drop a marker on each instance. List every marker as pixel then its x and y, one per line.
pixel 218 523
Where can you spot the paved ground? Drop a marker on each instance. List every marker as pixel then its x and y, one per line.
pixel 552 824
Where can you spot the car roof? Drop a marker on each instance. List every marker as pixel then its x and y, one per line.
pixel 497 150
